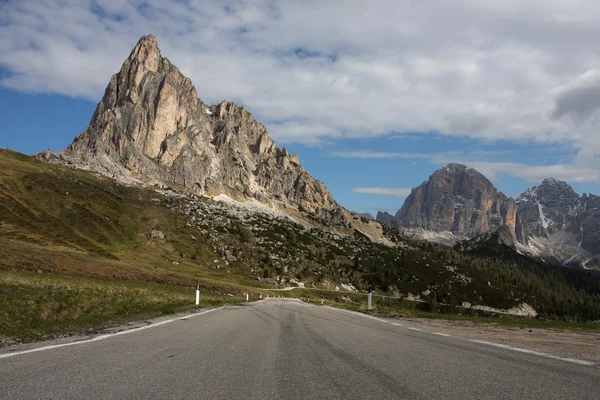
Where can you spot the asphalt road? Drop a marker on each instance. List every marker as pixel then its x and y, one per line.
pixel 285 349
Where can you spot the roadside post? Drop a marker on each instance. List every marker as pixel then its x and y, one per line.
pixel 369 300
pixel 247 296
pixel 197 294
pixel 321 300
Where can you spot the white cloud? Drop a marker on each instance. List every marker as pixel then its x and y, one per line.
pixel 492 164
pixel 533 173
pixel 579 99
pixel 315 71
pixel 396 192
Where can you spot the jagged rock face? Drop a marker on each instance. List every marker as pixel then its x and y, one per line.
pixel 557 222
pixel 457 199
pixel 151 123
pixel 386 218
pixel 589 221
pixel 504 236
pixel 367 215
pixel 547 208
pixel 549 221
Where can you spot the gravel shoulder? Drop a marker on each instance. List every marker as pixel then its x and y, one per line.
pixel 565 343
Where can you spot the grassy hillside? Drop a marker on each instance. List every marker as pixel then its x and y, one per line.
pixel 57 223
pixel 70 237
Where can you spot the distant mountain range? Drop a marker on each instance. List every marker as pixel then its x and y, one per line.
pixel 151 127
pixel 549 221
pixel 237 201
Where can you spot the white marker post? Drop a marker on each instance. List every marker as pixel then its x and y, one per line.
pixel 247 296
pixel 369 300
pixel 321 301
pixel 197 294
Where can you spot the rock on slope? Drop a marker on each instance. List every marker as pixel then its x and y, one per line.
pixel 150 125
pixel 457 199
pixel 503 236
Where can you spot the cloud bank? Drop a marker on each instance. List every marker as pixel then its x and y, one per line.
pixel 317 71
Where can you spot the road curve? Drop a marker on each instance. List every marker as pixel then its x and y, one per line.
pixel 286 349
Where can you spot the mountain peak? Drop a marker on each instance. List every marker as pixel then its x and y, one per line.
pixel 456 169
pixel 146 53
pixel 453 166
pixel 151 125
pixel 457 199
pixel 148 40
pixel 554 182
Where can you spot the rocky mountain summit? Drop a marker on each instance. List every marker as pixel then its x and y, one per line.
pixel 546 209
pixel 456 199
pixel 556 221
pixel 550 221
pixel 152 127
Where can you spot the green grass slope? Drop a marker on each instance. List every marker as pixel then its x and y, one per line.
pixel 71 237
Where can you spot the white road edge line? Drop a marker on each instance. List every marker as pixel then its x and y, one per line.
pixel 504 346
pixel 537 353
pixel 101 337
pixel 358 313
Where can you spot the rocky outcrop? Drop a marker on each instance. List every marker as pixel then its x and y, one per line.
pixel 367 215
pixel 589 225
pixel 557 222
pixel 504 236
pixel 151 126
pixel 457 199
pixel 386 218
pixel 549 221
pixel 547 208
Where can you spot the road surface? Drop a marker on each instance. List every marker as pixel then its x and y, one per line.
pixel 285 349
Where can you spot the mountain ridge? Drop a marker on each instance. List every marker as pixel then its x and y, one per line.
pixel 151 126
pixel 550 220
pixel 457 199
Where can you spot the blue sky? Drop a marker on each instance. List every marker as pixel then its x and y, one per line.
pixel 34 122
pixel 374 98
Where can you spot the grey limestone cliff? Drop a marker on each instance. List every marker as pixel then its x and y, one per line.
pixel 151 125
pixel 457 199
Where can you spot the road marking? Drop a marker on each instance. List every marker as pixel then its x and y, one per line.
pixel 537 353
pixel 358 314
pixel 504 346
pixel 102 337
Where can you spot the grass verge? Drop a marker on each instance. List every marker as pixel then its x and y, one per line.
pixel 394 308
pixel 40 306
